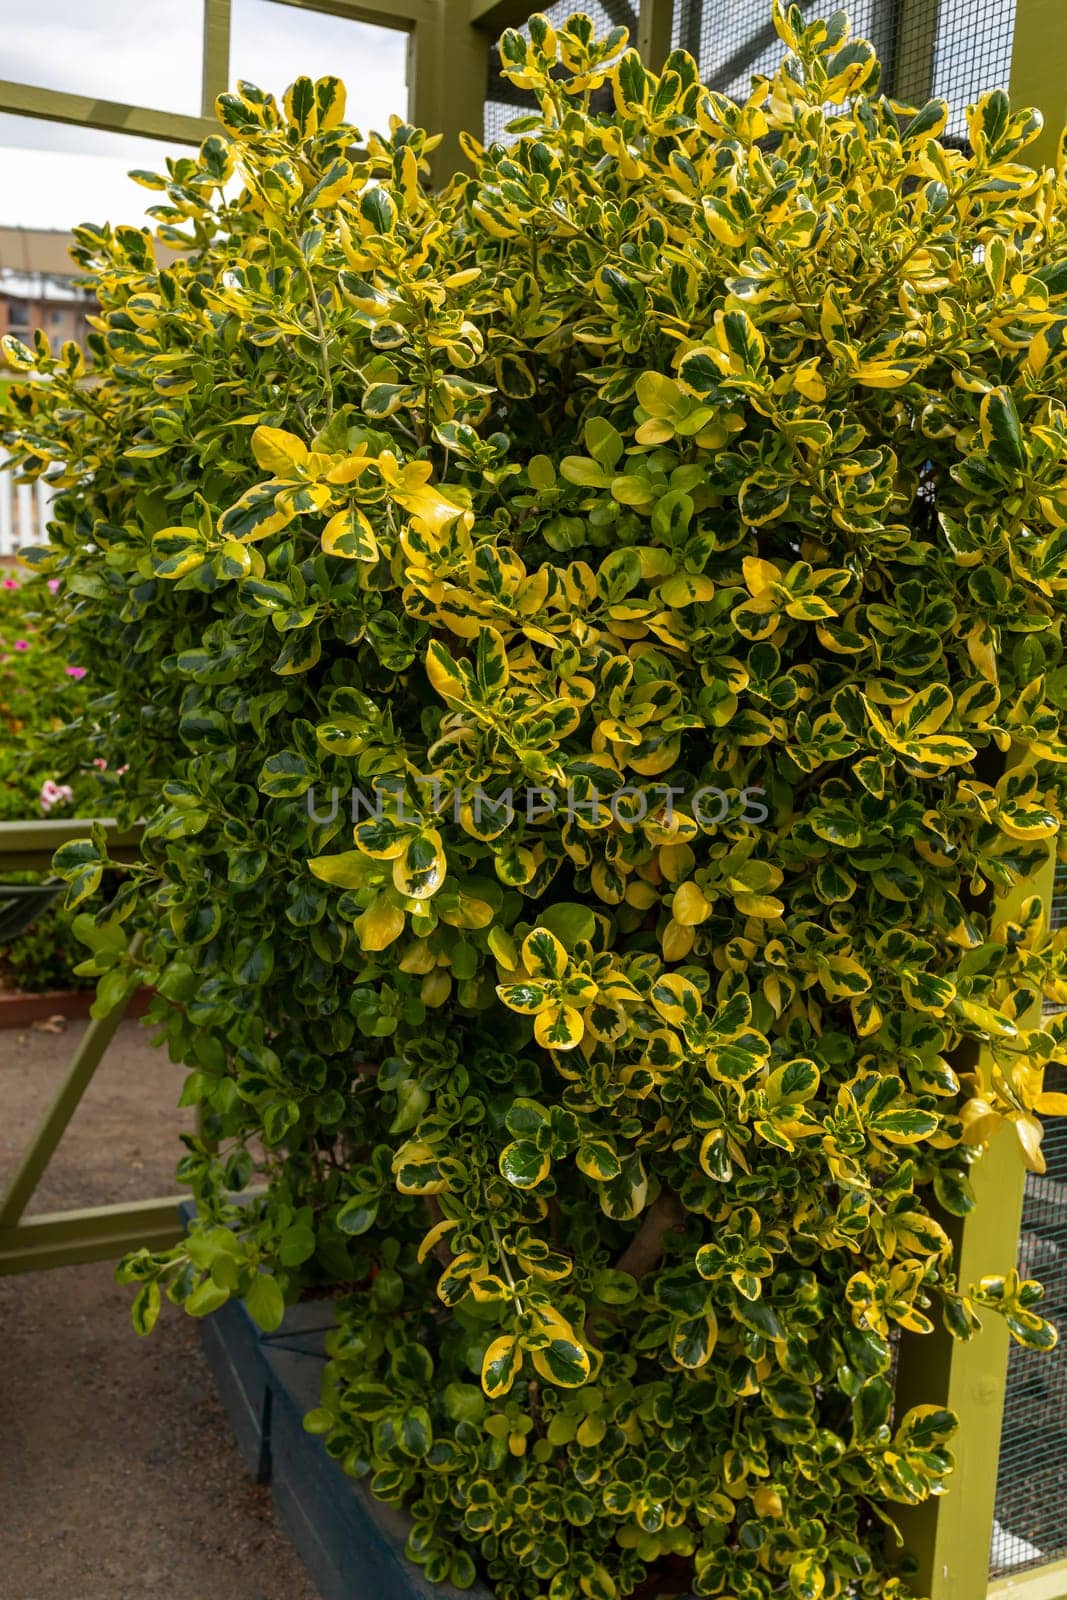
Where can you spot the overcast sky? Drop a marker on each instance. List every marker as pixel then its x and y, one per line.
pixel 148 52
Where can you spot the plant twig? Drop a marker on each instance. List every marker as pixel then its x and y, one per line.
pixel 646 1246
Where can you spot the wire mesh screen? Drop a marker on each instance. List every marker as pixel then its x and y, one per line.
pixel 1029 1527
pixel 955 49
pixel 505 102
pixel 735 41
pixel 972 53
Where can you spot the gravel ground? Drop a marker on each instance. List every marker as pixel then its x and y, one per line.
pixel 119 1479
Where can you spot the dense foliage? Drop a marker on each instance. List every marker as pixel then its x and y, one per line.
pixel 691 474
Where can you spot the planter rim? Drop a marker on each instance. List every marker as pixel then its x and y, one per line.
pixel 19 1006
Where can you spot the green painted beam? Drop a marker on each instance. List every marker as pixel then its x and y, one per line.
pixel 55 105
pixel 29 846
pixel 1046 1583
pixel 100 1233
pixel 950 1535
pixel 216 58
pixel 53 1124
pixel 493 16
pixel 1039 71
pixel 655 24
pixel 380 13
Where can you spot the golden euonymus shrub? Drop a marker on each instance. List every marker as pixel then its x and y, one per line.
pixel 662 531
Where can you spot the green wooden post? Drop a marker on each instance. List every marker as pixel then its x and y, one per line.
pixel 655 24
pixel 950 1536
pixel 30 846
pixel 1039 71
pixel 215 78
pixel 55 105
pixel 448 70
pixel 1047 1583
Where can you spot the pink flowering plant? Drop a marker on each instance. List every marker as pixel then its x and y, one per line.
pixel 48 735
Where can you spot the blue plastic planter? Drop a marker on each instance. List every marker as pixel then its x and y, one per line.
pixel 351 1544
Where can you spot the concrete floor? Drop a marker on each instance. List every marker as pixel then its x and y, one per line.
pixel 118 1476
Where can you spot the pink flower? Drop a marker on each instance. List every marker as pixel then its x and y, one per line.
pixel 10 583
pixel 22 644
pixel 53 585
pixel 99 763
pixel 54 794
pixel 120 772
pixel 75 672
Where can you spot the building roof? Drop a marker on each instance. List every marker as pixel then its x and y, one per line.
pixel 34 250
pixel 39 286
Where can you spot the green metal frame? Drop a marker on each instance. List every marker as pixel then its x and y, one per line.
pixel 96 1233
pixel 971 1378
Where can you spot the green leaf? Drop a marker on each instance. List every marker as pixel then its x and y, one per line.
pixel 296 1246
pixel 562 1361
pixel 265 1302
pixel 501 1366
pixel 1002 431
pixel 145 1308
pixel 358 1215
pixel 598 1160
pixel 903 1126
pixel 205 1298
pixel 523 1164
pixel 414 1433
pixel 286 775
pixel 693 1341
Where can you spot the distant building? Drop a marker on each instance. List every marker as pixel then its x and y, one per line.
pixel 54 304
pixel 38 288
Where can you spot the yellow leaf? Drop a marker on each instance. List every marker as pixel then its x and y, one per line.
pixel 559 1028
pixel 278 452
pixel 435 1235
pixel 380 924
pixel 349 534
pixel 501 1366
pixel 443 673
pixel 1029 1132
pixel 543 955
pixel 885 374
pixel 759 575
pixel 690 905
